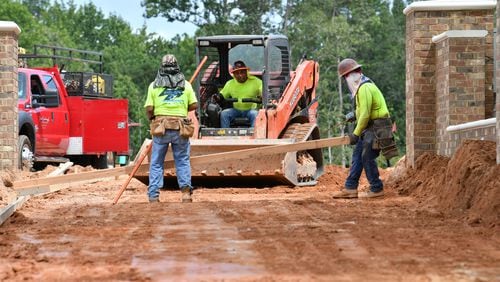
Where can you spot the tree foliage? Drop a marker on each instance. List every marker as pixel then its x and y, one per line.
pixel 370 31
pixel 216 16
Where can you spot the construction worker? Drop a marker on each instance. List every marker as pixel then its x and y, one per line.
pixel 243 85
pixel 169 99
pixel 371 109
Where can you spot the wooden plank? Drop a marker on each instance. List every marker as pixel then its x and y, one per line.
pixel 143 154
pixel 88 175
pixel 144 145
pixel 261 151
pixel 6 212
pixel 46 189
pixel 250 143
pixel 34 190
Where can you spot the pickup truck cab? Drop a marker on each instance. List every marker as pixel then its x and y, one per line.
pixel 69 116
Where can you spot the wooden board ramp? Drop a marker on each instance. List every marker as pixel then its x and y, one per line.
pixel 44 185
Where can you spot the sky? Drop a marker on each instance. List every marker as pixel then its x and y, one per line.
pixel 131 11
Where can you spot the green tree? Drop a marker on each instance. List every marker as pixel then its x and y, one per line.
pixel 216 16
pixel 32 30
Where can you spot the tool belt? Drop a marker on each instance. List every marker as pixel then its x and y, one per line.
pixel 162 123
pixel 384 139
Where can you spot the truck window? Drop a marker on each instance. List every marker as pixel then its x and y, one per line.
pixel 49 81
pixel 36 85
pixel 21 85
pixel 46 96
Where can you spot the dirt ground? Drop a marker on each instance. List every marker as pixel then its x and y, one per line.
pixel 437 222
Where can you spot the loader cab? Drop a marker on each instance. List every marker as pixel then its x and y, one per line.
pixel 268 58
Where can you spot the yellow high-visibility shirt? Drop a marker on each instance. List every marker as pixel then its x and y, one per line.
pixel 370 105
pixel 251 88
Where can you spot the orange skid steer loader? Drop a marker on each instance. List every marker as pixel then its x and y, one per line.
pixel 287 114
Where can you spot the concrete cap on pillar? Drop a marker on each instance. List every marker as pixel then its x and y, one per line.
pixel 450 5
pixel 9 26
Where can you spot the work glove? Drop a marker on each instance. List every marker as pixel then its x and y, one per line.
pixel 350 117
pixel 353 139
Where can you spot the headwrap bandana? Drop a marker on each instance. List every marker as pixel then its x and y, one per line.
pixel 169 74
pixel 354 81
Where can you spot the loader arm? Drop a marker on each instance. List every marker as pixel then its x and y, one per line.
pixel 298 94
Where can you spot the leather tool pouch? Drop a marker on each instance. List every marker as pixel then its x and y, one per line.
pixel 156 127
pixel 384 139
pixel 162 123
pixel 186 127
pixel 171 123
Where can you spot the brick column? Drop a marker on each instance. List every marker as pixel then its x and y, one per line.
pixel 9 32
pixel 424 20
pixel 460 82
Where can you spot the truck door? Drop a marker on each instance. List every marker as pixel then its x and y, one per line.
pixel 50 116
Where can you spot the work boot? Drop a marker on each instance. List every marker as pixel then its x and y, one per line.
pixel 186 195
pixel 154 200
pixel 345 194
pixel 371 194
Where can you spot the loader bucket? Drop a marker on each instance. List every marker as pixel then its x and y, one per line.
pixel 290 168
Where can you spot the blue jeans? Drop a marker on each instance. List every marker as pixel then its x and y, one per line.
pixel 227 115
pixel 181 149
pixel 363 157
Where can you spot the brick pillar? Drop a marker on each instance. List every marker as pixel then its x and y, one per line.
pixel 423 21
pixel 9 32
pixel 460 82
pixel 497 78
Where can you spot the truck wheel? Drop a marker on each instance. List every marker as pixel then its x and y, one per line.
pixel 100 162
pixel 25 151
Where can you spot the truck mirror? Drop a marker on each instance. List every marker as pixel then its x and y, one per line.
pixel 49 100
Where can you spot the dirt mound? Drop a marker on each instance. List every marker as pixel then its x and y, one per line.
pixel 333 176
pixel 467 185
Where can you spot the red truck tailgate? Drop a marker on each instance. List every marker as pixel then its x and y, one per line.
pixel 102 124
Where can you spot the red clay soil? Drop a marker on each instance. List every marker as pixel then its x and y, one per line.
pixel 467 185
pixel 438 222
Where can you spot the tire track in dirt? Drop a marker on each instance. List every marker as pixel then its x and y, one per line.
pixel 280 230
pixel 349 245
pixel 214 249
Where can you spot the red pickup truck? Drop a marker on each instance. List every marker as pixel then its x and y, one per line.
pixel 69 116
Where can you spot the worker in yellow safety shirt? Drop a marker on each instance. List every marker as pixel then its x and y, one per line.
pixel 373 121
